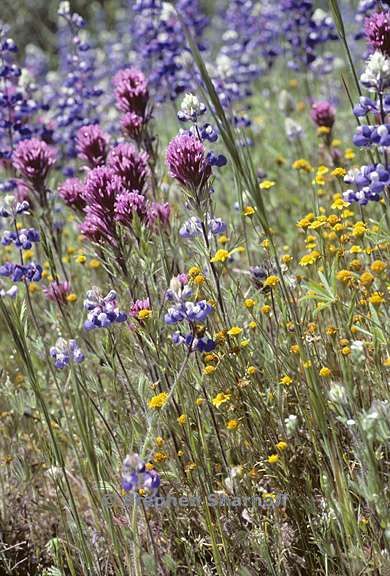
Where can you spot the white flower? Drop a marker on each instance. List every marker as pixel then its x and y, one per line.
pixel 291 424
pixel 337 394
pixel 294 131
pixel 63 9
pixel 377 73
pixel 286 102
pixel 191 106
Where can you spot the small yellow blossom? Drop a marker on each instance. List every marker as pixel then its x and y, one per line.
pixel 182 419
pixel 220 398
pixel 72 297
pixel 158 401
pixel 234 331
pixel 232 424
pixel 144 314
pixel 286 380
pixel 266 309
pixel 325 372
pixel 252 325
pixel 344 276
pixel 273 459
pixel 160 457
pixel 159 440
pixel 251 370
pixel 349 154
pixel 244 343
pixel 33 287
pixel 199 280
pixel 266 185
pixel 199 401
pixel 366 279
pixel 339 172
pixel 249 303
pixel 249 211
pixel 266 243
pixel 223 239
pixel 281 445
pixel 376 299
pixel 194 271
pixel 339 204
pixel 302 164
pixel 94 263
pixel 378 266
pixel 220 256
pixel 305 221
pixel 271 281
pixel 294 349
pixel 345 351
pixel 359 229
pixel 81 259
pixel 209 370
pixel 310 258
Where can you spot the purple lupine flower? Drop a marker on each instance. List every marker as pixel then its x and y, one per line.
pixel 217 226
pixel 131 91
pixel 17 272
pixel 33 159
pixel 11 207
pixel 22 239
pixel 127 204
pixel 65 352
pixel 187 161
pixel 323 113
pixel 377 31
pixel 91 144
pixel 102 311
pixel 191 228
pixel 57 291
pixel 135 476
pixel 130 166
pixel 72 192
pixel 11 292
pixel 368 183
pixel 132 125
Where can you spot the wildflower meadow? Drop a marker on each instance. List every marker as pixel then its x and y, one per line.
pixel 194 288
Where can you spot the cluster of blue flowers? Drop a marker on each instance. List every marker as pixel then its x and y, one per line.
pixel 193 227
pixel 305 29
pixel 66 352
pixel 22 239
pixel 366 105
pixel 17 106
pixel 75 99
pixel 184 310
pixel 368 183
pixel 102 311
pixel 19 272
pixel 135 475
pixel 161 47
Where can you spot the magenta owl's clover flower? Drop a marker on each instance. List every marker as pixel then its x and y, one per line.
pixel 132 125
pixel 131 91
pixel 95 228
pixel 323 114
pixel 377 31
pixel 71 191
pixel 130 166
pixel 187 161
pixel 139 305
pixel 157 213
pixel 57 291
pixel 91 144
pixel 33 159
pixel 127 204
pixel 100 191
